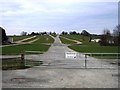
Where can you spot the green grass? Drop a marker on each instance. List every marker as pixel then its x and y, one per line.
pixel 17 63
pixel 35 46
pixel 44 39
pixel 94 48
pixel 90 47
pixel 16 38
pixel 77 37
pixel 25 47
pixel 54 35
pixel 65 41
pixel 97 49
pixel 30 39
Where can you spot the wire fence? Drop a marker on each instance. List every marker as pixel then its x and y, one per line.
pixel 72 59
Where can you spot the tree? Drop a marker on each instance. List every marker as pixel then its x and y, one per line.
pixel 43 33
pixel 54 33
pixel 73 33
pixel 85 33
pixel 64 33
pixel 106 38
pixel 90 39
pixel 23 33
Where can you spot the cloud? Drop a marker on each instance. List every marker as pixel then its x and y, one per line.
pixel 57 15
pixel 18 7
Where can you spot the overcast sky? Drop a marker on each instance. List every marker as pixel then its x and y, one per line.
pixel 58 15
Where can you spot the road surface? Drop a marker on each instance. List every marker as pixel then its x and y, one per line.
pixel 60 72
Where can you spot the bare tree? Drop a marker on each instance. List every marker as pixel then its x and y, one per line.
pixel 106 37
pixel 23 33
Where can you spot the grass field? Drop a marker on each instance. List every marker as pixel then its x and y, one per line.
pixel 16 38
pixel 65 41
pixel 77 37
pixel 44 39
pixel 94 48
pixel 90 47
pixel 30 39
pixel 17 49
pixel 54 35
pixel 35 46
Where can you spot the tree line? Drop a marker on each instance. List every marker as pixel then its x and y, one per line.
pixel 107 38
pixel 84 32
pixel 37 33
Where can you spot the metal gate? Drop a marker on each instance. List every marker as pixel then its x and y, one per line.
pixel 71 59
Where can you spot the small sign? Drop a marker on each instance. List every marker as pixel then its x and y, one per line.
pixel 71 55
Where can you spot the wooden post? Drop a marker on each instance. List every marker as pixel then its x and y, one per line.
pixel 23 59
pixel 85 61
pixel 22 56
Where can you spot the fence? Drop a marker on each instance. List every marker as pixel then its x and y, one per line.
pixel 101 60
pixel 72 59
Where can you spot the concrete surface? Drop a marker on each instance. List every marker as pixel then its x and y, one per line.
pixel 59 72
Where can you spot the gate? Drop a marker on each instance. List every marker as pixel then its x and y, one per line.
pixel 71 60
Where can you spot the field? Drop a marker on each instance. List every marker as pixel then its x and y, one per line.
pixel 90 47
pixel 94 48
pixel 86 46
pixel 16 38
pixel 54 35
pixel 77 37
pixel 44 39
pixel 65 41
pixel 28 40
pixel 18 49
pixel 35 46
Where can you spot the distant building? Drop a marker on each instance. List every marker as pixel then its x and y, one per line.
pixel 10 40
pixel 96 40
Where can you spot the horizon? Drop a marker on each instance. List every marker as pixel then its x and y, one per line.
pixel 58 15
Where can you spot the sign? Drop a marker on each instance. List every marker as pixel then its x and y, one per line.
pixel 71 55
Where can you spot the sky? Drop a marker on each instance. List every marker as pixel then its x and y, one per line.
pixel 58 15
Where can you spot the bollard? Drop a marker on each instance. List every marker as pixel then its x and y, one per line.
pixel 85 61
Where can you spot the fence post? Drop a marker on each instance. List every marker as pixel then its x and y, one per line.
pixel 23 58
pixel 85 61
